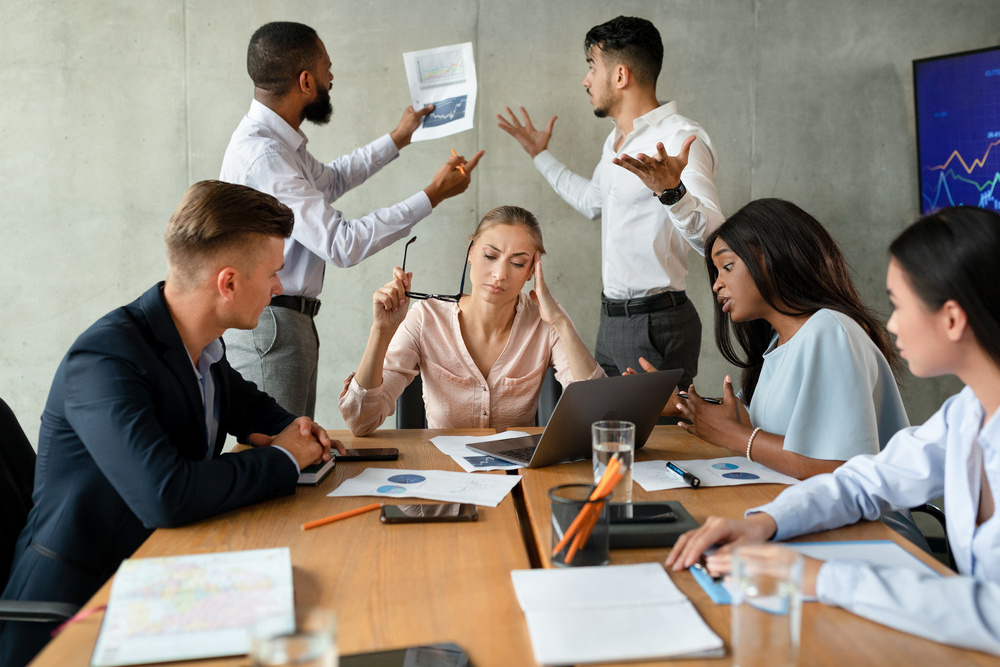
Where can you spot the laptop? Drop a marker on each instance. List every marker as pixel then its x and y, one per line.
pixel 636 398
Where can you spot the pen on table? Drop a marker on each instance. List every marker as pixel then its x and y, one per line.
pixel 699 566
pixel 692 481
pixel 460 168
pixel 342 515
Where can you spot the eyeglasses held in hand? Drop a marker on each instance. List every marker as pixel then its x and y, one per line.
pixel 451 298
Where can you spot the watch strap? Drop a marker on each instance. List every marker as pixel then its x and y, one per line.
pixel 673 195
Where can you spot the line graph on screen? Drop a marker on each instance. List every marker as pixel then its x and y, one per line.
pixel 958 129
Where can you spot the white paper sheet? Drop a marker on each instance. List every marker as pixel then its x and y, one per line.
pixel 729 471
pixel 191 607
pixel 638 612
pixel 452 487
pixel 445 77
pixel 455 447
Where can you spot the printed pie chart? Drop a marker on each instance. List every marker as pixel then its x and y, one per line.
pixel 407 479
pixel 740 475
pixel 391 488
pixel 725 466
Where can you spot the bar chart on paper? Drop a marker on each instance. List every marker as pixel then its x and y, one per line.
pixel 958 130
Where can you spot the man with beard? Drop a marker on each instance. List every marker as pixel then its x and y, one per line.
pixel 648 216
pixel 290 69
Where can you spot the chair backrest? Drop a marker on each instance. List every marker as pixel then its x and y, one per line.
pixel 410 411
pixel 17 477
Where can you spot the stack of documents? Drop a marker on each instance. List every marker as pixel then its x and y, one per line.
pixel 610 613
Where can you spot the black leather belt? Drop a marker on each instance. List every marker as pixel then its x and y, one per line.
pixel 643 304
pixel 299 304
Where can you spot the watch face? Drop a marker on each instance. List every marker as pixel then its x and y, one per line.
pixel 671 197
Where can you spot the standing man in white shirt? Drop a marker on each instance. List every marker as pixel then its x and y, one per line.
pixel 290 69
pixel 653 203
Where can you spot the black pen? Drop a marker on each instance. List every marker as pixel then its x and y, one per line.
pixel 692 481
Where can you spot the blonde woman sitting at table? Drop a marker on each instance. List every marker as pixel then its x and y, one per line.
pixel 482 355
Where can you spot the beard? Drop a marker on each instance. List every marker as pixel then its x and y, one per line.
pixel 602 104
pixel 320 111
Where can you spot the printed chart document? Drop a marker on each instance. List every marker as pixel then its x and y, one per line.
pixel 450 487
pixel 446 78
pixel 455 447
pixel 875 552
pixel 191 607
pixel 730 471
pixel 610 613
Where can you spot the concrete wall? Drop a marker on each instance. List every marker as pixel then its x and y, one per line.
pixel 110 109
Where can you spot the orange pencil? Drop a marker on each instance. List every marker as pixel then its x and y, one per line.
pixel 607 482
pixel 342 515
pixel 460 168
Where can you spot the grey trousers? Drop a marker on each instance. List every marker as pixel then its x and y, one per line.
pixel 669 338
pixel 281 356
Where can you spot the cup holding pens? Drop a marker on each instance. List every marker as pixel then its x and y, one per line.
pixel 568 502
pixel 766 606
pixel 611 438
pixel 310 642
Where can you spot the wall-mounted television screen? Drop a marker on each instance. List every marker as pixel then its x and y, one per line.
pixel 958 129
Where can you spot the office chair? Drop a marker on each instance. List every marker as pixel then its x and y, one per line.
pixel 410 404
pixel 939 545
pixel 17 481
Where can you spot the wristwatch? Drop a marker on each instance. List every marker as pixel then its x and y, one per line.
pixel 672 196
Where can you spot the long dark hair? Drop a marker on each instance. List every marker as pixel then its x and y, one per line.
pixel 798 269
pixel 953 254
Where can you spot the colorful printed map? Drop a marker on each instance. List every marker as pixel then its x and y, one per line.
pixel 189 607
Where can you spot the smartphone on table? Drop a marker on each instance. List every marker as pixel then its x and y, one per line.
pixel 429 512
pixel 370 454
pixel 641 513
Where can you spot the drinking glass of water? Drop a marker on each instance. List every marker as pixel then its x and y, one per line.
pixel 312 642
pixel 614 438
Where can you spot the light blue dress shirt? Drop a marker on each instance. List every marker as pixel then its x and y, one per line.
pixel 209 399
pixel 946 455
pixel 828 390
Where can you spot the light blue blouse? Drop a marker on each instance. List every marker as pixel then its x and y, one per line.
pixel 947 454
pixel 828 390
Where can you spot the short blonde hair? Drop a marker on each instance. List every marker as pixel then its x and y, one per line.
pixel 217 218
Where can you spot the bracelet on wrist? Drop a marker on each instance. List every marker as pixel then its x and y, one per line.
pixel 750 442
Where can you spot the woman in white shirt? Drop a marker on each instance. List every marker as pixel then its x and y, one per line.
pixel 817 364
pixel 944 285
pixel 482 355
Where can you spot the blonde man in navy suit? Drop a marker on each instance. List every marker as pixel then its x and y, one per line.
pixel 132 433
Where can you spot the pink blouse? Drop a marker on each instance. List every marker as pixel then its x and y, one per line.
pixel 456 395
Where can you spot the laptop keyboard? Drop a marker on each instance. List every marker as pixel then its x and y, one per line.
pixel 522 454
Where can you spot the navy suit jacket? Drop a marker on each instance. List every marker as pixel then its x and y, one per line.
pixel 123 450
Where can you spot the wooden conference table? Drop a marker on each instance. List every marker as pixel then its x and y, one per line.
pixel 402 585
